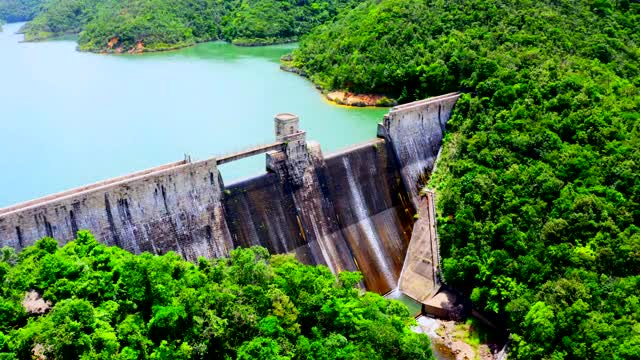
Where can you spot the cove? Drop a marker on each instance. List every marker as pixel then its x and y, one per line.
pixel 69 118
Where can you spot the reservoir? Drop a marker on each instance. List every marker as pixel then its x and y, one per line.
pixel 69 118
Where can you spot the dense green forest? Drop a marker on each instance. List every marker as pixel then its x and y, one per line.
pixel 538 186
pixel 152 25
pixel 18 10
pixel 107 303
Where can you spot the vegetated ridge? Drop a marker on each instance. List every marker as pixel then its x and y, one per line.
pixel 538 185
pixel 154 25
pixel 101 302
pixel 18 10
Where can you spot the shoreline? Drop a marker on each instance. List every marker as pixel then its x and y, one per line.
pixel 341 97
pixel 241 43
pixel 139 48
pixel 336 97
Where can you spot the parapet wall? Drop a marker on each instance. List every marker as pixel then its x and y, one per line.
pixel 352 210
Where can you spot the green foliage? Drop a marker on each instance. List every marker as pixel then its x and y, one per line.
pixel 60 17
pixel 110 304
pixel 539 193
pixel 18 10
pixel 113 25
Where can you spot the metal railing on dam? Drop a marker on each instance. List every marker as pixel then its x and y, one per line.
pixel 351 210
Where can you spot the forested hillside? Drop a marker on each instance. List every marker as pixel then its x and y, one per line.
pixel 106 303
pixel 149 25
pixel 539 184
pixel 18 10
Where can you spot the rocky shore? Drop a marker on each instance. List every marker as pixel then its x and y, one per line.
pixel 458 340
pixel 341 97
pixel 360 100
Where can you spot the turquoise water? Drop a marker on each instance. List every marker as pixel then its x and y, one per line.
pixel 69 118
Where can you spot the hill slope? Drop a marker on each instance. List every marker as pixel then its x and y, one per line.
pixel 112 25
pixel 19 10
pixel 538 186
pixel 106 303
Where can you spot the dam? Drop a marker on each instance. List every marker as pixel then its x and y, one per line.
pixel 351 210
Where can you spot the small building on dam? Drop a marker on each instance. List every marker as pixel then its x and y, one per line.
pixel 350 210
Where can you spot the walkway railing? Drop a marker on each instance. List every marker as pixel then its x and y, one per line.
pixel 260 149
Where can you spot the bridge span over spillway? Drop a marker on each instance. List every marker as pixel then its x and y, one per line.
pixel 350 210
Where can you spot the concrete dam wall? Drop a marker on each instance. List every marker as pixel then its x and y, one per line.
pixel 351 210
pixel 415 131
pixel 349 214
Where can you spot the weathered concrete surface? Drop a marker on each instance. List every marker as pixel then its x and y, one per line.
pixel 373 210
pixel 286 218
pixel 175 207
pixel 347 211
pixel 262 212
pixel 352 210
pixel 419 278
pixel 416 131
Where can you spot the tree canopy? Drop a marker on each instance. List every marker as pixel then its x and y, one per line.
pixel 538 185
pixel 18 10
pixel 107 303
pixel 114 25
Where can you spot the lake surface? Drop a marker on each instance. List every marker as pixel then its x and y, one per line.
pixel 68 118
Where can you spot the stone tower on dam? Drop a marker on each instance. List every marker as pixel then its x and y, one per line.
pixel 350 210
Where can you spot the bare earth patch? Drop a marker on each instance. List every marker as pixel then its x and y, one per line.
pixel 361 100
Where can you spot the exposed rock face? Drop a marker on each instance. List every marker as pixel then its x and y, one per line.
pixel 112 42
pixel 38 352
pixel 138 49
pixel 449 341
pixel 35 304
pixel 359 100
pixel 293 69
